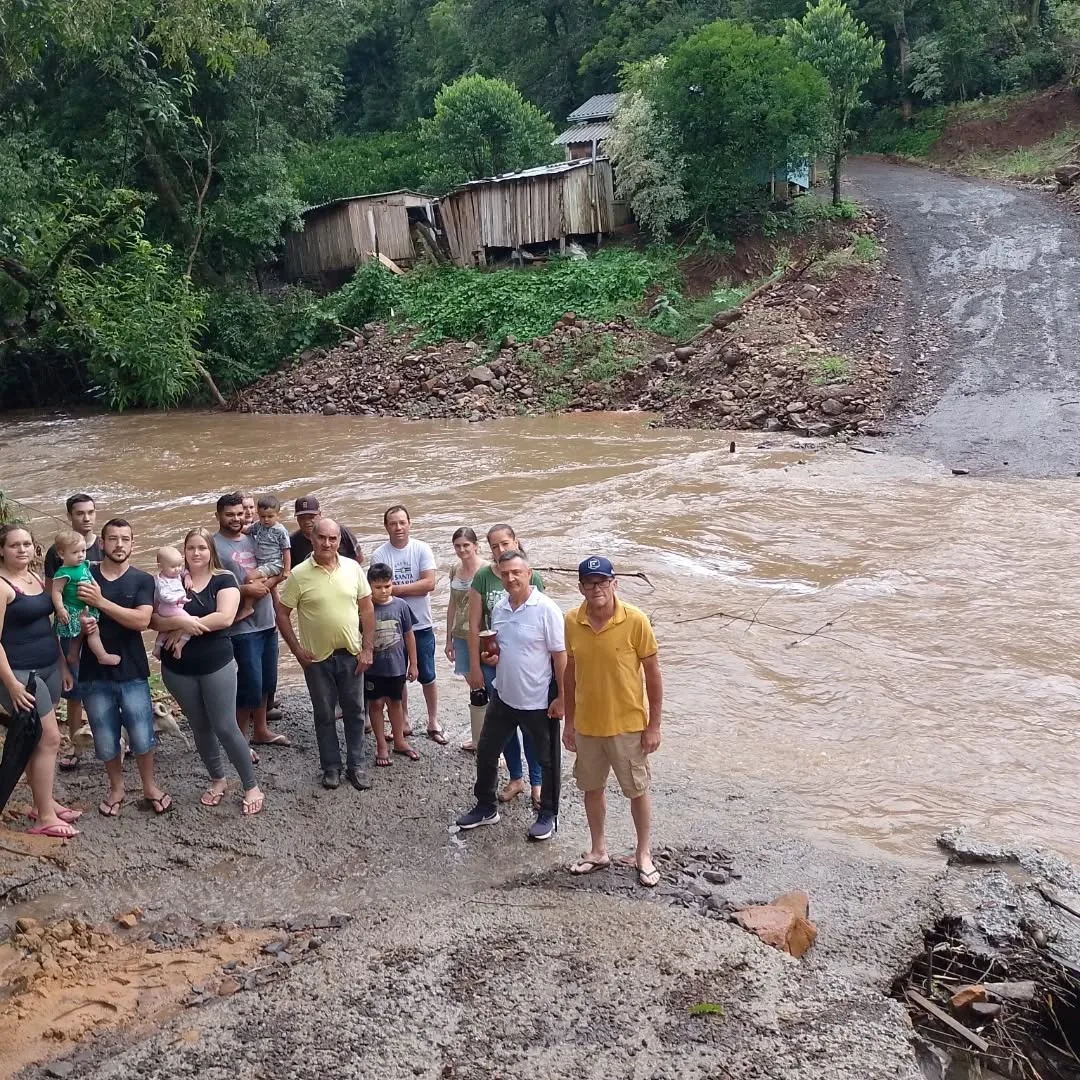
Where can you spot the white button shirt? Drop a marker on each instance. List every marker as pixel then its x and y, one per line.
pixel 527 637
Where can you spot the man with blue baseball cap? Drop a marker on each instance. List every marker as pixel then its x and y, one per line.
pixel 611 667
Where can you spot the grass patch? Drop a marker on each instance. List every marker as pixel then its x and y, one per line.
pixel 1027 162
pixel 707 1008
pixel 681 318
pixel 830 369
pixel 863 251
pixel 595 359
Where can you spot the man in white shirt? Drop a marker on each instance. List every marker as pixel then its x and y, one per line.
pixel 413 564
pixel 530 647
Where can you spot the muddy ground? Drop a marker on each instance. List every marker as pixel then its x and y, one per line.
pixel 476 957
pixel 985 303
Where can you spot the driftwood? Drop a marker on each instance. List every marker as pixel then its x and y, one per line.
pixel 1055 898
pixel 976 1040
pixel 726 318
pixel 573 570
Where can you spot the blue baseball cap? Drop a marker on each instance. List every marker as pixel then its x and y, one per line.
pixel 596 566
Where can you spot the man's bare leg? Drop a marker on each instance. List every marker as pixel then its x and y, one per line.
pixel 641 812
pixel 114 772
pixel 150 788
pixel 596 815
pixel 431 699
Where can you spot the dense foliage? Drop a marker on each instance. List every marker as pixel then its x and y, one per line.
pixel 153 151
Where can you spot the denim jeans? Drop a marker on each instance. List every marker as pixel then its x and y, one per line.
pixel 256 667
pixel 111 706
pixel 331 682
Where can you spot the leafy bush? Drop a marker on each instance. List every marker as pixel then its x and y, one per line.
pixel 248 333
pixel 888 135
pixel 484 127
pixel 372 293
pixel 358 165
pixel 462 304
pixel 742 106
pixel 137 320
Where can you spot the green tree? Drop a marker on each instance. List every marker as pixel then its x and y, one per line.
pixel 484 127
pixel 642 147
pixel 842 49
pixel 741 106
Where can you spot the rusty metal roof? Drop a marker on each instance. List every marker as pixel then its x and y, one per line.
pixel 585 133
pixel 598 107
pixel 527 174
pixel 372 195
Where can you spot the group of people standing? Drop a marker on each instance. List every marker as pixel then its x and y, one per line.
pixel 588 681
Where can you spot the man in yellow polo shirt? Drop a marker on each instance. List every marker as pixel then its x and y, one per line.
pixel 327 592
pixel 610 648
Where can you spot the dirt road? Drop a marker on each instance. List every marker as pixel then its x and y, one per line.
pixel 990 280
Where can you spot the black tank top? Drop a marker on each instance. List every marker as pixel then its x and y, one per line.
pixel 28 637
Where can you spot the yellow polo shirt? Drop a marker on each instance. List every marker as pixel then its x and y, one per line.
pixel 610 688
pixel 326 604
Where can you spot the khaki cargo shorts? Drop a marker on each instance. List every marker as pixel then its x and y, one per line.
pixel 597 756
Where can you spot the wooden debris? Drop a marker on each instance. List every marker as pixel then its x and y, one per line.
pixel 1057 899
pixel 940 1014
pixel 387 262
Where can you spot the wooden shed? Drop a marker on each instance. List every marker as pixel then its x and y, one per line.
pixel 535 206
pixel 338 236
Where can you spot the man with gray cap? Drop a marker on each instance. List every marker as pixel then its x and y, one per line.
pixel 307 512
pixel 610 647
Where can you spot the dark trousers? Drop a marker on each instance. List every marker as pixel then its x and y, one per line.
pixel 332 682
pixel 500 722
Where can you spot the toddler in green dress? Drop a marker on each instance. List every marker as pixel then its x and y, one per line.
pixel 75 571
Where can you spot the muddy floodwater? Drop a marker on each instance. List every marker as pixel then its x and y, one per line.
pixel 944 693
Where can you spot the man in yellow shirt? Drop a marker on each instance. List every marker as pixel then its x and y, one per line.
pixel 328 592
pixel 610 646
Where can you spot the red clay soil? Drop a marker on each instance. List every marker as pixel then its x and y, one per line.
pixel 1021 123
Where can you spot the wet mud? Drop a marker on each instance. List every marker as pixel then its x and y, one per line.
pixel 987 306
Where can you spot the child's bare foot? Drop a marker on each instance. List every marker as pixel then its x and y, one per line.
pixel 109 659
pixel 244 612
pixel 512 790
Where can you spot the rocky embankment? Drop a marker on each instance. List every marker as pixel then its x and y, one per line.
pixel 781 366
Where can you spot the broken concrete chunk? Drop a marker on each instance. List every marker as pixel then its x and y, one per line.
pixel 783 924
pixel 967 995
pixel 1012 991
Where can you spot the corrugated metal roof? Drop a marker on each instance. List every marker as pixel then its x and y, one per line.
pixel 584 133
pixel 373 195
pixel 525 174
pixel 598 107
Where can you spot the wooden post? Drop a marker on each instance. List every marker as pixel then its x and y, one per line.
pixel 371 229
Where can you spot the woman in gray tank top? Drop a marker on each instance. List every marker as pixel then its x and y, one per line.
pixel 28 642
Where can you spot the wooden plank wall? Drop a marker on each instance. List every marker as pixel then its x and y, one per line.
pixel 528 210
pixel 339 238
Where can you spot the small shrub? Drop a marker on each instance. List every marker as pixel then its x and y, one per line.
pixel 831 369
pixel 372 293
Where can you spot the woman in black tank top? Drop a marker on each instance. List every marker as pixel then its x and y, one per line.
pixel 28 642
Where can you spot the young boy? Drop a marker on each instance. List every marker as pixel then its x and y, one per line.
pixel 272 548
pixel 394 662
pixel 73 572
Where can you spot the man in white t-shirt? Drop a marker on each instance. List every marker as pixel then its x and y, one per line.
pixel 530 653
pixel 413 565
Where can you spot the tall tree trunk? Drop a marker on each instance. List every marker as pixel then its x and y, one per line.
pixel 838 157
pixel 903 45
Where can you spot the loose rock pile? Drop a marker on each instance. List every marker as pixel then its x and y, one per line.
pixel 778 368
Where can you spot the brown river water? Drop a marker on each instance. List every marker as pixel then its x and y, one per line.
pixel 944 694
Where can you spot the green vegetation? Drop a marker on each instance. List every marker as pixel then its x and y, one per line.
pixel 681 319
pixel 707 1008
pixel 841 49
pixel 831 369
pixel 154 152
pixel 595 358
pixel 741 106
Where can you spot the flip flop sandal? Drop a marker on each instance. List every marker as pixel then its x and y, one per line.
pixel 253 806
pixel 160 806
pixel 67 764
pixel 110 809
pixel 254 758
pixel 648 878
pixel 212 798
pixel 438 737
pixel 411 754
pixel 63 831
pixel 62 812
pixel 588 866
pixel 383 762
